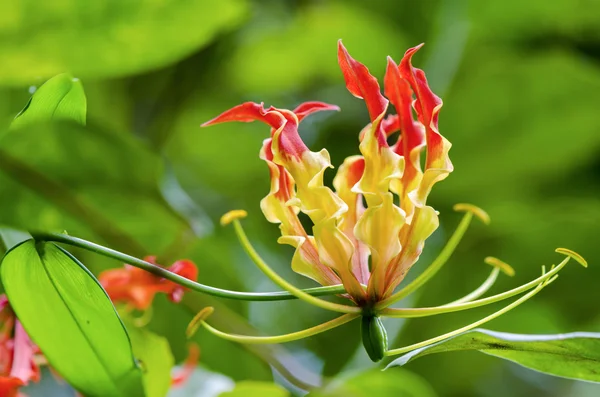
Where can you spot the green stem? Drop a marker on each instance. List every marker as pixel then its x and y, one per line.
pixel 483 288
pixel 283 338
pixel 492 316
pixel 164 273
pixel 435 266
pixel 449 308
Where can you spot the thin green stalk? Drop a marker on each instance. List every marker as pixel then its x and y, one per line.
pixel 164 273
pixel 492 316
pixel 277 279
pixel 435 266
pixel 482 289
pixel 431 311
pixel 283 338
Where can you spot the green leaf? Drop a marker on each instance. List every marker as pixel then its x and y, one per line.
pixel 69 316
pixel 397 382
pixel 256 389
pixel 60 98
pixel 106 38
pixel 575 355
pixel 155 357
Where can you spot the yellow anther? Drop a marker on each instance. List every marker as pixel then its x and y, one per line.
pixel 233 215
pixel 478 212
pixel 505 267
pixel 197 320
pixel 572 254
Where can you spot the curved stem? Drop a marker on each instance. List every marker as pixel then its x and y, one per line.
pixel 435 266
pixel 283 338
pixel 430 311
pixel 492 316
pixel 164 273
pixel 482 289
pixel 277 279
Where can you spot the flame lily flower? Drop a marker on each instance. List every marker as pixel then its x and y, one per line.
pixel 137 287
pixel 17 353
pixel 371 228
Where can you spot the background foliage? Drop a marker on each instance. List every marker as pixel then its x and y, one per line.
pixel 521 86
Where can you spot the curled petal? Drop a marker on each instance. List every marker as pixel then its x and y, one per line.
pixel 188 366
pixel 361 83
pixel 427 106
pixel 382 165
pixel 379 228
pixel 308 108
pixel 278 207
pixel 412 237
pixel 306 260
pixel 23 365
pixel 285 123
pixel 412 137
pixel 336 251
pixel 248 112
pixel 390 124
pixel 347 176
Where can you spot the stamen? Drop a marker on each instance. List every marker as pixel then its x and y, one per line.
pixel 431 311
pixel 232 215
pixel 498 264
pixel 478 212
pixel 197 320
pixel 476 324
pixel 572 254
pixel 442 258
pixel 326 326
pixel 269 272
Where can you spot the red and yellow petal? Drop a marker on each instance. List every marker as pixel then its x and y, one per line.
pixel 427 106
pixel 361 83
pixel 412 137
pixel 379 229
pixel 412 238
pixel 348 175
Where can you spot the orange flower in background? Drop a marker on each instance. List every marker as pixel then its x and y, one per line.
pixel 17 353
pixel 353 244
pixel 188 367
pixel 137 287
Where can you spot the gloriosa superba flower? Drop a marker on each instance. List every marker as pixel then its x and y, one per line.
pixel 370 230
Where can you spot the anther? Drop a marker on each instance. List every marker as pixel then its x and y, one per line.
pixel 232 215
pixel 478 212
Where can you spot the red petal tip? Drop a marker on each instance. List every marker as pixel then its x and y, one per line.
pixel 414 49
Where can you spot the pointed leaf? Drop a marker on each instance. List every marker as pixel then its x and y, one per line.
pixel 68 315
pixel 155 357
pixel 575 355
pixel 60 98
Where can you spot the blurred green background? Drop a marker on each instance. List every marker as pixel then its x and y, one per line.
pixel 520 82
